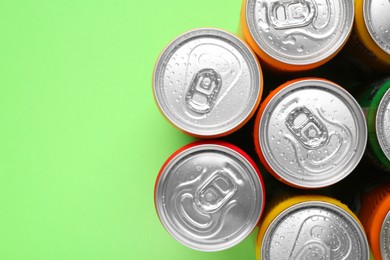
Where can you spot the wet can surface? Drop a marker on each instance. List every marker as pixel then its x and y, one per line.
pixel 375 216
pixel 207 82
pixel 372 33
pixel 311 227
pixel 209 196
pixel 310 133
pixel 296 35
pixel 376 105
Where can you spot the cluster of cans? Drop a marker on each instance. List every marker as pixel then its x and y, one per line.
pixel 309 133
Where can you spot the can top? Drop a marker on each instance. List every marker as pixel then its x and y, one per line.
pixel 382 124
pixel 300 32
pixel 209 197
pixel 385 237
pixel 376 17
pixel 312 133
pixel 207 82
pixel 314 230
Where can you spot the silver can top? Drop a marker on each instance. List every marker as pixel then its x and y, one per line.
pixel 385 238
pixel 207 82
pixel 209 197
pixel 314 230
pixel 300 32
pixel 382 123
pixel 312 133
pixel 376 17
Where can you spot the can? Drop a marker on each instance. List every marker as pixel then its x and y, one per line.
pixel 209 195
pixel 207 82
pixel 311 227
pixel 296 35
pixel 375 102
pixel 375 217
pixel 371 34
pixel 310 133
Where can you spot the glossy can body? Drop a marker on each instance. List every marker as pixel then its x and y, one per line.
pixel 207 83
pixel 375 216
pixel 209 196
pixel 310 133
pixel 311 227
pixel 376 104
pixel 371 37
pixel 296 35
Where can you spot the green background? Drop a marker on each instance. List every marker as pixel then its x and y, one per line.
pixel 81 139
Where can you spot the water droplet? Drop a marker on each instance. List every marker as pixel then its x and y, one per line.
pixel 300 48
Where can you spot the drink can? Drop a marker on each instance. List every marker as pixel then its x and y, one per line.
pixel 371 34
pixel 375 102
pixel 296 35
pixel 375 217
pixel 310 133
pixel 207 82
pixel 311 227
pixel 209 195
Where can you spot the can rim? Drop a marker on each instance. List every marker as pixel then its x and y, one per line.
pixel 359 119
pixel 379 129
pixel 385 235
pixel 318 58
pixel 224 148
pixel 242 48
pixel 370 29
pixel 355 225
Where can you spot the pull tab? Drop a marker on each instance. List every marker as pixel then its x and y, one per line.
pixel 291 14
pixel 203 91
pixel 215 192
pixel 307 128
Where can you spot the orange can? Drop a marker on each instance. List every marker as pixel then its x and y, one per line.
pixel 370 41
pixel 310 227
pixel 296 35
pixel 310 133
pixel 375 217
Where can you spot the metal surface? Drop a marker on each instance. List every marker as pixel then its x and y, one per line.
pixel 314 230
pixel 382 124
pixel 300 32
pixel 376 17
pixel 209 197
pixel 312 133
pixel 207 82
pixel 385 238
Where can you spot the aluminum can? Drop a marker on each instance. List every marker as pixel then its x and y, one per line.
pixel 209 195
pixel 371 34
pixel 310 133
pixel 311 227
pixel 296 35
pixel 375 217
pixel 375 102
pixel 207 82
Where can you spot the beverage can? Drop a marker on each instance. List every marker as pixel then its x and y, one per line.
pixel 296 35
pixel 375 216
pixel 371 34
pixel 207 82
pixel 311 227
pixel 209 195
pixel 375 102
pixel 310 133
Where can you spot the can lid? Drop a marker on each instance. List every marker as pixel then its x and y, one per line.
pixel 312 133
pixel 209 197
pixel 207 82
pixel 314 230
pixel 382 123
pixel 385 237
pixel 300 32
pixel 376 17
